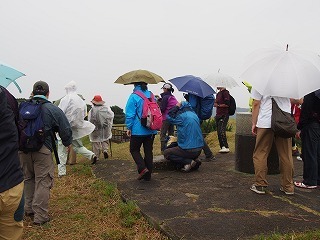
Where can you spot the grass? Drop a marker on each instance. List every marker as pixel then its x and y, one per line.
pixel 84 207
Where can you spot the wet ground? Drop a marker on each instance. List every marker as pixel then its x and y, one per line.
pixel 214 202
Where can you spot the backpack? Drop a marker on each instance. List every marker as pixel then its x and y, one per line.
pixel 204 106
pixel 151 114
pixel 31 126
pixel 232 106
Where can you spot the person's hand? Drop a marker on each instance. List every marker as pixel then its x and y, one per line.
pixel 254 130
pixel 69 148
pixel 178 104
pixel 298 134
pixel 128 133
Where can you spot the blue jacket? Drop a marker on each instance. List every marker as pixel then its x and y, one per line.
pixel 133 114
pixel 189 133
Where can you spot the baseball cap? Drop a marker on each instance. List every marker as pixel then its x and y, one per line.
pixel 40 88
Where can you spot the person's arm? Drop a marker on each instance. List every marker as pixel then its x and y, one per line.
pixel 255 113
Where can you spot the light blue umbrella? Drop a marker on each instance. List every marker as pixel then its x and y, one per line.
pixel 9 75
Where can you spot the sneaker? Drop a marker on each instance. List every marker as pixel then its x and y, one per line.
pixel 209 159
pixel 94 159
pixel 295 152
pixel 197 165
pixel 186 168
pixel 258 189
pixel 105 154
pixel 224 150
pixel 299 158
pixel 303 185
pixel 287 193
pixel 143 173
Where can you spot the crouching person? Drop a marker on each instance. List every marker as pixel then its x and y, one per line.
pixel 189 135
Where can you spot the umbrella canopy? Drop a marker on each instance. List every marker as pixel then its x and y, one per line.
pixel 9 75
pixel 193 85
pixel 283 72
pixel 139 76
pixel 221 80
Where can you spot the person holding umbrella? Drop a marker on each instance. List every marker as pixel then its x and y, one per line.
pixel 140 135
pixel 261 127
pixel 222 117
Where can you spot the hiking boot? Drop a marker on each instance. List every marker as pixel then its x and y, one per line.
pixel 258 189
pixel 224 150
pixel 147 176
pixel 303 185
pixel 295 152
pixel 105 154
pixel 42 223
pixel 287 193
pixel 143 173
pixel 94 159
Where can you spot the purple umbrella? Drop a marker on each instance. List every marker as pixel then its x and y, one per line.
pixel 193 85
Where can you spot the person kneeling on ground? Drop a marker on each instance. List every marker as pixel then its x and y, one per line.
pixel 189 135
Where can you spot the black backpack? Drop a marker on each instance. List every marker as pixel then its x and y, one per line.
pixel 232 106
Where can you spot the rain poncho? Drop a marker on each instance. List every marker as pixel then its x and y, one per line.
pixel 75 110
pixel 102 118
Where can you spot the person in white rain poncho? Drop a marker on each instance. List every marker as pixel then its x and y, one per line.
pixel 102 117
pixel 75 110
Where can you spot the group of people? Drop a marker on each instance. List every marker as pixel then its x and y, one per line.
pixel 308 124
pixel 26 177
pixel 185 151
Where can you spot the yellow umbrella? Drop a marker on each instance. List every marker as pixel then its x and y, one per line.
pixel 139 76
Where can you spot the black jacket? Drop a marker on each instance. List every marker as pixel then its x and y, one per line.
pixel 310 110
pixel 10 171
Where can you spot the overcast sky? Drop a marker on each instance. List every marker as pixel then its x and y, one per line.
pixel 93 42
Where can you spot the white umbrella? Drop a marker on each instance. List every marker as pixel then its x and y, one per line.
pixel 221 80
pixel 283 72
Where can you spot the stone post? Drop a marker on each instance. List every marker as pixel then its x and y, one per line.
pixel 244 146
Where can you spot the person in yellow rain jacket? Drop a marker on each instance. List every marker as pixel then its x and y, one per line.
pixel 249 87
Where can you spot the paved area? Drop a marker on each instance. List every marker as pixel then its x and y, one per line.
pixel 214 202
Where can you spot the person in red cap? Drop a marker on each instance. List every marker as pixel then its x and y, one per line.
pixel 101 116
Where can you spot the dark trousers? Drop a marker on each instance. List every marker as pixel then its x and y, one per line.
pixel 310 139
pixel 135 145
pixel 167 127
pixel 222 122
pixel 179 156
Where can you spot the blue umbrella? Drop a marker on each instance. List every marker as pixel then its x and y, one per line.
pixel 9 75
pixel 193 85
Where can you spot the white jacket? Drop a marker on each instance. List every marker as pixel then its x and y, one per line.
pixel 75 110
pixel 102 118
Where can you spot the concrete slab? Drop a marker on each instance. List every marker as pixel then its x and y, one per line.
pixel 214 202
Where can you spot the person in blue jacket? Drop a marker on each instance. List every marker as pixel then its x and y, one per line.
pixel 189 135
pixel 139 135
